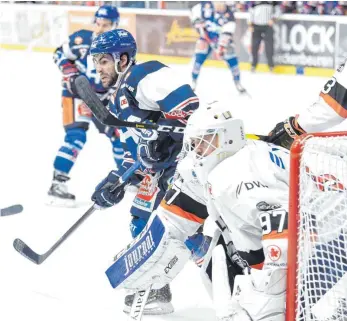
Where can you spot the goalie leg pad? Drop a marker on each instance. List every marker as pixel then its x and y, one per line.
pixel 261 295
pixel 153 257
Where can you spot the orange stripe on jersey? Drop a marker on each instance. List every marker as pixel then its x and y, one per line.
pixel 334 105
pixel 276 235
pixel 180 212
pixel 258 266
pixel 68 111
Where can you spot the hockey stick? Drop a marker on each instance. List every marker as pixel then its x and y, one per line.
pixel 138 306
pixel 11 210
pixel 101 112
pixel 27 252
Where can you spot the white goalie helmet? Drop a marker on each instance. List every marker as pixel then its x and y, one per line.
pixel 212 135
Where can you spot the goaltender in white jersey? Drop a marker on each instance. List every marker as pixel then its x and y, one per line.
pixel 243 185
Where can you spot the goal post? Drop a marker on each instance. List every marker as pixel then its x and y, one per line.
pixel 317 244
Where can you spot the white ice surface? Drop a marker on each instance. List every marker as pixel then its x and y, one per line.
pixel 71 284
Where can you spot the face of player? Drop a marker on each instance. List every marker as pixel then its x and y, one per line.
pixel 105 67
pixel 220 6
pixel 102 25
pixel 205 145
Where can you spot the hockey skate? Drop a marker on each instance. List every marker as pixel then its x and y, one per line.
pixel 158 302
pixel 58 194
pixel 241 89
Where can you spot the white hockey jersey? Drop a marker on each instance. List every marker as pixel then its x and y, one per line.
pixel 330 109
pixel 249 190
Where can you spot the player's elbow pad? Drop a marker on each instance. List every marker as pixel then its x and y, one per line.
pixel 155 256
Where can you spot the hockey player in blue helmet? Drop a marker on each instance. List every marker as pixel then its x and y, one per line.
pixel 215 23
pixel 73 59
pixel 147 92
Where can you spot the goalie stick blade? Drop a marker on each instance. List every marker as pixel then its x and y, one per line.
pixel 27 252
pixel 138 306
pixel 11 210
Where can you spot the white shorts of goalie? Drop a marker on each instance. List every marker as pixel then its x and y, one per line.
pixel 317 254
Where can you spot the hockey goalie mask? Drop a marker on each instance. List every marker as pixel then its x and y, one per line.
pixel 212 135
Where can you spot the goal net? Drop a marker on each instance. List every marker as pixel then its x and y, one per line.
pixel 317 254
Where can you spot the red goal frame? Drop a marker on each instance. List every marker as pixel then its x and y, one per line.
pixel 294 216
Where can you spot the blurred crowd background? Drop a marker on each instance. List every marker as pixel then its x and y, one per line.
pixel 301 7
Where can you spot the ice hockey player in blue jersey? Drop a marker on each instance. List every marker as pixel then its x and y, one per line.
pixel 215 23
pixel 147 92
pixel 73 59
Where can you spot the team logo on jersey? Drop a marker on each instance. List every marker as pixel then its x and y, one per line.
pixel 274 252
pixel 78 40
pixel 177 114
pixel 123 102
pixel 263 206
pixel 247 186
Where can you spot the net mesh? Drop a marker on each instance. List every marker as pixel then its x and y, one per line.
pixel 322 239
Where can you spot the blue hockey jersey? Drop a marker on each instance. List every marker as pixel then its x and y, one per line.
pixel 211 23
pixel 76 49
pixel 151 92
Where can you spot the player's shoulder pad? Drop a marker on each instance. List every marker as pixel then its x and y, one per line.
pixel 81 37
pixel 140 71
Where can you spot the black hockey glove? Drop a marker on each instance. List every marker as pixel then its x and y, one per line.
pixel 285 132
pixel 106 193
pixel 157 150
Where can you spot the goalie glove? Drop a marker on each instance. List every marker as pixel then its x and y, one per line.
pixel 285 132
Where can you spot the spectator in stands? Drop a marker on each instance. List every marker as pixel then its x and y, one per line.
pixel 288 6
pixel 240 6
pixel 311 7
pixel 340 9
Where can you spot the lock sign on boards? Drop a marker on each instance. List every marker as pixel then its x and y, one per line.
pixel 305 43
